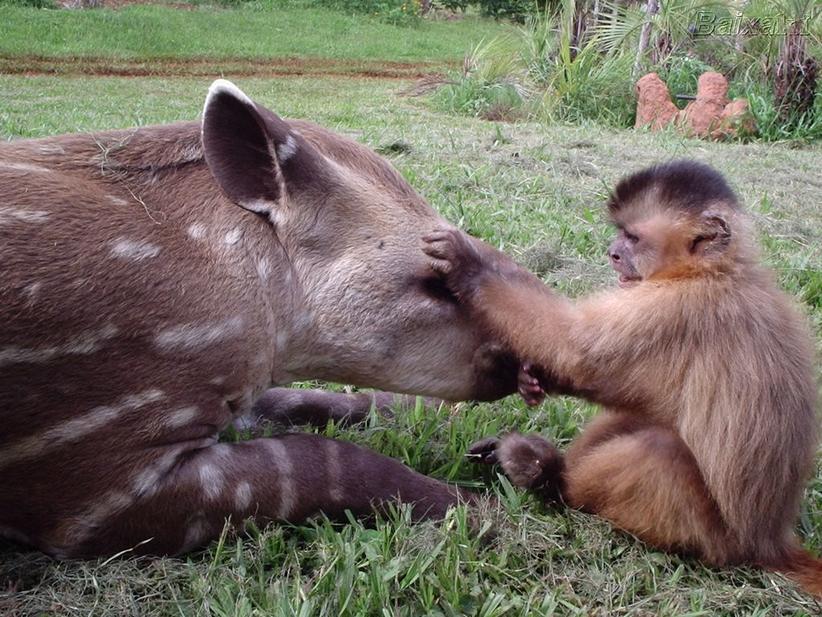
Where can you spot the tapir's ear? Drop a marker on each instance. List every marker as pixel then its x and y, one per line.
pixel 253 153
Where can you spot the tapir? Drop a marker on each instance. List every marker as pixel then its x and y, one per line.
pixel 156 281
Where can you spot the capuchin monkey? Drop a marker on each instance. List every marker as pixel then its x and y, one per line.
pixel 703 367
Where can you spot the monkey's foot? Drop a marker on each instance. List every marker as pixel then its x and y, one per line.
pixel 529 387
pixel 529 461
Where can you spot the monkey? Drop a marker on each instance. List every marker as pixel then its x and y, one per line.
pixel 702 367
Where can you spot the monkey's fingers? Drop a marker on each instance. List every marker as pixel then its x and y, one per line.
pixel 529 387
pixel 438 235
pixel 532 399
pixel 484 451
pixel 438 246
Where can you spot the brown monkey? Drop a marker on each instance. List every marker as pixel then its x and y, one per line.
pixel 703 366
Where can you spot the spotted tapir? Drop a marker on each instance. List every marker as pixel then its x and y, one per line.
pixel 155 281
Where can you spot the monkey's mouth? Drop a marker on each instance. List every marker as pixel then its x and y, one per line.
pixel 628 281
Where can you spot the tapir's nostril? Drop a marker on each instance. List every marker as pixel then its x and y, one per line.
pixel 615 256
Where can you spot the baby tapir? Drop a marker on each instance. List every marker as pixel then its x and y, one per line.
pixel 154 281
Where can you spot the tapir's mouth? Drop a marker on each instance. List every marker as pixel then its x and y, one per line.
pixel 497 370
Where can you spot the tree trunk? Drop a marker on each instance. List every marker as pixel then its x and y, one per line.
pixel 651 9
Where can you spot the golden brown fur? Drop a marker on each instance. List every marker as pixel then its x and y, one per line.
pixel 703 366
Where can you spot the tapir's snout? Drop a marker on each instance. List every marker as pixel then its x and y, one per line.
pixel 497 370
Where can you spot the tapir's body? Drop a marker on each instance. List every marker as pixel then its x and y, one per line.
pixel 149 292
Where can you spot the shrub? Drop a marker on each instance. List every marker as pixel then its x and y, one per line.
pixel 453 5
pixel 681 74
pixel 771 121
pixel 517 10
pixel 538 73
pixel 36 4
pixel 398 12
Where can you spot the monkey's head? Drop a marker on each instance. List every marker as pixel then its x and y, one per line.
pixel 674 220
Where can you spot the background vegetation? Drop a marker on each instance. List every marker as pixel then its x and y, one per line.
pixel 578 60
pixel 530 187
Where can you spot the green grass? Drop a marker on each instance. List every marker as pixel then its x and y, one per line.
pixel 535 191
pixel 152 32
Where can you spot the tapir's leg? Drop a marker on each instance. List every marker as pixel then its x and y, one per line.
pixel 318 407
pixel 180 500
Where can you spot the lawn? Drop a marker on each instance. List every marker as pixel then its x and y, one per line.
pixel 151 35
pixel 535 191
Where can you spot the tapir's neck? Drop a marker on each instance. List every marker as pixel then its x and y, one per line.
pixel 164 171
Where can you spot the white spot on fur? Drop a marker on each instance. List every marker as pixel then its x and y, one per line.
pixel 243 496
pixel 28 167
pixel 94 516
pixel 233 236
pixel 190 337
pixel 196 231
pixel 264 269
pixel 281 341
pixel 181 417
pixel 32 289
pixel 11 215
pixel 217 381
pixel 334 468
pixel 83 344
pixel 198 531
pixel 277 217
pixel 150 479
pixel 259 206
pixel 287 149
pixel 80 526
pixel 303 320
pixel 144 485
pixel 75 429
pixel 51 149
pixel 211 480
pixel 134 250
pixel 285 479
pixel 191 153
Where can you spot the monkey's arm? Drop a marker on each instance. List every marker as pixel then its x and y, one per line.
pixel 578 347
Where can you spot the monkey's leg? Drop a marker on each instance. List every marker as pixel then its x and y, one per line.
pixel 318 407
pixel 645 480
pixel 181 498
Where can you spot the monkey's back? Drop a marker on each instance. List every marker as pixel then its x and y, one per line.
pixel 748 403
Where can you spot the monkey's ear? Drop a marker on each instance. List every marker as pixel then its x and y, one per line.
pixel 713 235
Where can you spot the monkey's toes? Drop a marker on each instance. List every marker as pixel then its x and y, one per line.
pixel 484 451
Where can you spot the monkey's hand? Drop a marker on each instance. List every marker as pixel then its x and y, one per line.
pixel 529 461
pixel 456 258
pixel 530 388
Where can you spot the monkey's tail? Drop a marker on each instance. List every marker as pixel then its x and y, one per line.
pixel 802 567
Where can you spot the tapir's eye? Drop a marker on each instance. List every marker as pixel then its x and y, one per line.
pixel 434 287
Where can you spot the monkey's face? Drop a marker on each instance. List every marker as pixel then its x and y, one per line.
pixel 622 254
pixel 674 221
pixel 665 243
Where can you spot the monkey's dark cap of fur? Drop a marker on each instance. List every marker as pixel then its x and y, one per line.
pixel 682 184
